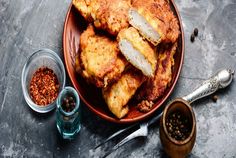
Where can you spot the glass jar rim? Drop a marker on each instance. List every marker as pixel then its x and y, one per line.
pixel 65 91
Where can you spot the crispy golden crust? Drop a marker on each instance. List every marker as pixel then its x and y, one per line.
pixel 117 95
pixel 141 45
pixel 145 106
pixel 110 15
pixel 83 7
pixel 100 61
pixel 155 87
pixel 160 16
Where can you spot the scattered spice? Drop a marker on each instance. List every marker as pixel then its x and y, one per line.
pixel 215 98
pixel 195 32
pixel 192 37
pixel 44 86
pixel 145 106
pixel 68 103
pixel 178 126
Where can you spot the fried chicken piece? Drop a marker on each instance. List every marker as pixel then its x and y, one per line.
pixel 155 87
pixel 137 51
pixel 110 15
pixel 145 106
pixel 155 20
pixel 83 7
pixel 117 95
pixel 100 61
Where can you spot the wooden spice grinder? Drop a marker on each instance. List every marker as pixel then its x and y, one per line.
pixel 181 148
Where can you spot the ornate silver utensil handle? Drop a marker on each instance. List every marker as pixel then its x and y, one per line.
pixel 220 80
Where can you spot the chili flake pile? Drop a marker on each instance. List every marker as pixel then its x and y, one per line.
pixel 44 86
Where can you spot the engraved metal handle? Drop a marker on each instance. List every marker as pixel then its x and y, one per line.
pixel 221 80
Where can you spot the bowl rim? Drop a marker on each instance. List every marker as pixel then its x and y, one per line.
pixel 31 104
pixel 145 115
pixel 188 139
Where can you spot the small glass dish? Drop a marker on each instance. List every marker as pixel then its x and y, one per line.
pixel 68 123
pixel 42 58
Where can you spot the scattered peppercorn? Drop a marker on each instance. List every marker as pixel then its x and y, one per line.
pixel 68 103
pixel 178 126
pixel 192 38
pixel 44 86
pixel 215 98
pixel 195 32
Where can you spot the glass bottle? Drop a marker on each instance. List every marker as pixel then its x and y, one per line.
pixel 68 123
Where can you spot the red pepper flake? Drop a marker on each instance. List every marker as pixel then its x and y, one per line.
pixel 44 86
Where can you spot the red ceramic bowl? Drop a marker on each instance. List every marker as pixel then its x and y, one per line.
pixel 90 95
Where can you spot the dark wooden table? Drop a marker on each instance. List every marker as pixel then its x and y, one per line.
pixel 29 25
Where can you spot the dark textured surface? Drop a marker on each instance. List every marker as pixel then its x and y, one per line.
pixel 29 25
